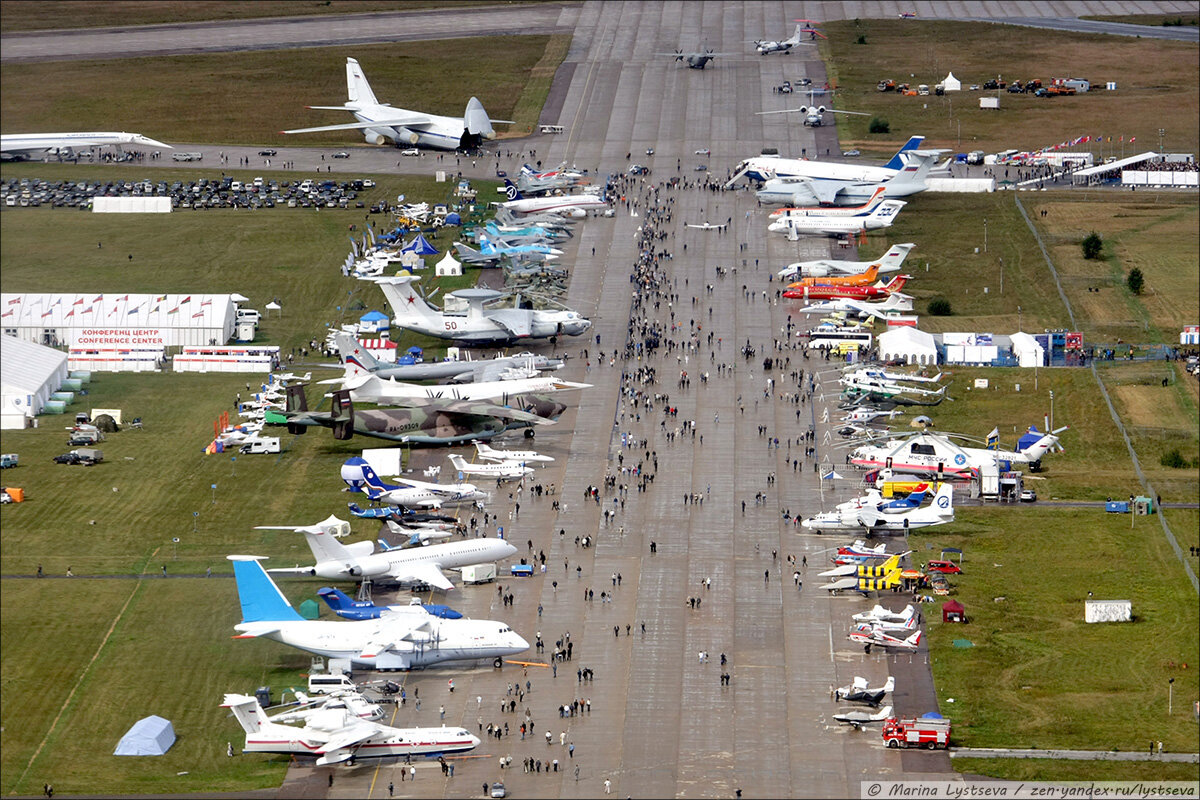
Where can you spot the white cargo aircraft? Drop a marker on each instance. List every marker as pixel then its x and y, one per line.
pixel 336 735
pixel 20 145
pixel 358 560
pixel 407 638
pixel 381 123
pixel 575 205
pixel 763 168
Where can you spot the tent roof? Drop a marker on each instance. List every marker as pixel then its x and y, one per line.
pixel 906 336
pixel 448 260
pixel 952 605
pixel 27 366
pixel 149 736
pixel 373 316
pixel 419 245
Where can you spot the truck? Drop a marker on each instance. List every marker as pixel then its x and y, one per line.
pixel 888 85
pixel 928 732
pixel 479 573
pixel 8 460
pixel 264 444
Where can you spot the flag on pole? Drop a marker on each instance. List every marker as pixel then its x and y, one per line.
pixel 993 439
pixel 78 302
pixel 174 310
pixel 187 299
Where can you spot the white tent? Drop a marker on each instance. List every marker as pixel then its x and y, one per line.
pixel 98 320
pixel 1027 350
pixel 151 736
pixel 448 266
pixel 909 344
pixel 29 373
pixel 951 83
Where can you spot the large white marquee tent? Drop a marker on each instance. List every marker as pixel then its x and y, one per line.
pixel 100 320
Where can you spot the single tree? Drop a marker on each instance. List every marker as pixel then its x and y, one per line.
pixel 1136 280
pixel 1092 245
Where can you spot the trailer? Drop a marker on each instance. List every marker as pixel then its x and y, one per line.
pixel 927 732
pixel 479 573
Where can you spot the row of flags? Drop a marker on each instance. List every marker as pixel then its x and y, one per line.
pixel 1085 139
pixel 98 300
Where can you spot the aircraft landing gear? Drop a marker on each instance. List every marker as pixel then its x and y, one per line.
pixel 529 433
pixel 867 648
pixel 497 662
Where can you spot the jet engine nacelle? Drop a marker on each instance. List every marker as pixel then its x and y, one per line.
pixel 374 138
pixel 407 135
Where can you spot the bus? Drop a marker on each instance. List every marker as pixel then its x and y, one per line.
pixel 552 129
pixel 839 339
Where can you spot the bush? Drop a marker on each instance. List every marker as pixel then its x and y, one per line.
pixel 879 125
pixel 1136 280
pixel 1173 459
pixel 940 307
pixel 1092 245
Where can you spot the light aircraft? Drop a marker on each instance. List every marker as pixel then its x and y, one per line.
pixel 860 719
pixel 358 560
pixel 389 391
pixel 346 608
pixel 501 471
pixel 881 217
pixel 763 168
pixel 931 454
pixel 881 614
pixel 570 204
pixel 518 456
pixel 435 422
pixel 381 123
pixel 782 46
pixel 859 553
pixel 939 512
pixel 898 303
pixel 694 60
pixel 358 361
pixel 478 325
pixel 360 477
pixel 405 640
pixel 708 226
pixel 18 146
pixel 885 582
pixel 868 634
pixel 879 570
pixel 824 291
pixel 888 262
pixel 336 735
pixel 860 692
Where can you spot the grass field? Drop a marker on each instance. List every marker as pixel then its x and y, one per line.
pixel 1038 675
pixel 35 15
pixel 1156 86
pixel 1047 770
pixel 213 98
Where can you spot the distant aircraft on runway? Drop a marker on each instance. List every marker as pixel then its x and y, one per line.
pixel 381 123
pixel 694 60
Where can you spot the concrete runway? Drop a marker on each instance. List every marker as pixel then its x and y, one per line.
pixel 661 724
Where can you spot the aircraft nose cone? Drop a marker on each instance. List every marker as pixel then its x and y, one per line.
pixel 516 641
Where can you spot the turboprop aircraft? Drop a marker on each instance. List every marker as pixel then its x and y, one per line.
pixel 694 60
pixel 478 325
pixel 502 471
pixel 882 216
pixel 381 123
pixel 939 512
pixel 763 168
pixel 434 422
pixel 358 560
pixel 766 47
pixel 709 226
pixel 389 391
pixel 516 456
pixel 357 360
pixel 826 291
pixel 570 204
pixel 931 454
pixel 861 719
pixel 860 692
pixel 869 635
pixel 812 112
pixel 335 735
pixel 888 262
pixel 19 146
pixel 360 477
pixel 408 639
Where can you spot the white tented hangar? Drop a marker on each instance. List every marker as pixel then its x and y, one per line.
pixel 29 374
pixel 908 344
pixel 98 321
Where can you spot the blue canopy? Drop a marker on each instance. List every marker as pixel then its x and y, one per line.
pixel 373 316
pixel 453 218
pixel 420 246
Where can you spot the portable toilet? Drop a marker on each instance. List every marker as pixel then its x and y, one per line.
pixel 263 695
pixel 1143 505
pixel 245 331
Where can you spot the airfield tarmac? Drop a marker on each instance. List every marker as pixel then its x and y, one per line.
pixel 661 724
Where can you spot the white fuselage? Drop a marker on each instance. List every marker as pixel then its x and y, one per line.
pixel 441 133
pixel 399 562
pixel 557 204
pixel 385 391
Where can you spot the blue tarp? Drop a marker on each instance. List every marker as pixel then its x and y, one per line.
pixel 420 246
pixel 152 736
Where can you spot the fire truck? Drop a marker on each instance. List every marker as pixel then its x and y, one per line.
pixel 928 732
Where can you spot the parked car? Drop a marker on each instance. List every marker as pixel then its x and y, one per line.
pixel 498 790
pixel 944 567
pixel 703 151
pixel 851 153
pixel 1028 496
pixel 408 151
pixel 342 154
pixel 649 151
pixel 638 169
pixel 268 152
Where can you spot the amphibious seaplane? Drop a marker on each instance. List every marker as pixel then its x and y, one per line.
pixel 478 325
pixel 380 123
pixel 336 735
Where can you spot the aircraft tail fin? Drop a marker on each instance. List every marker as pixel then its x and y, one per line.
pixel 897 161
pixel 247 711
pixel 511 191
pixel 343 415
pixel 355 358
pixel 357 88
pixel 894 257
pixel 260 597
pixel 943 501
pixel 890 686
pixel 336 599
pixel 896 283
pixel 884 713
pixel 406 303
pixel 911 177
pixel 459 463
pixel 476 120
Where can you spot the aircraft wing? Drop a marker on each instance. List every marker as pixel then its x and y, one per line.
pixel 422 573
pixel 414 121
pixel 356 733
pixel 517 322
pixel 476 407
pixel 292 570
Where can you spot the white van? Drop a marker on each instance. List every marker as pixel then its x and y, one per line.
pixel 187 156
pixel 552 129
pixel 329 682
pixel 248 315
pixel 265 444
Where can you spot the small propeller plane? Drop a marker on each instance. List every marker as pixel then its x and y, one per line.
pixel 881 614
pixel 868 634
pixel 861 719
pixel 860 692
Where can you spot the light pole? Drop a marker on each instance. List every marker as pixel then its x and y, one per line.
pixel 1161 133
pixel 1170 693
pixel 1051 410
pixel 985 234
pixel 1018 319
